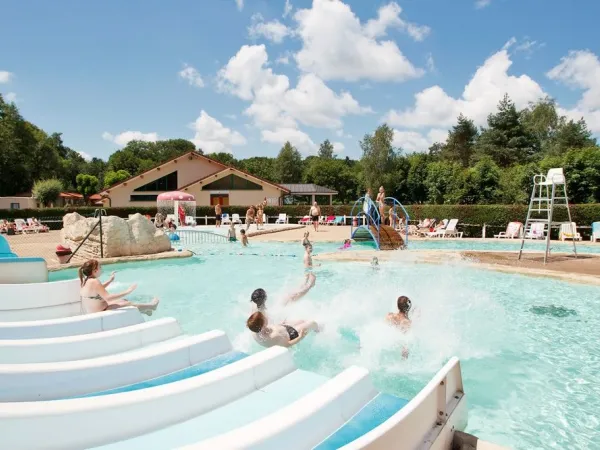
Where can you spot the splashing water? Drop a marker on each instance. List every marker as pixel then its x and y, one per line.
pixel 528 346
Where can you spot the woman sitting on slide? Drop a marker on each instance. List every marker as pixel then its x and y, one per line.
pixel 95 297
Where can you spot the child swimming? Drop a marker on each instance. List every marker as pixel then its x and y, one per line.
pixel 244 238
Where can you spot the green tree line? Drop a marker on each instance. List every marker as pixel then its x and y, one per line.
pixel 487 165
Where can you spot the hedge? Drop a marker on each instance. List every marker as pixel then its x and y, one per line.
pixel 471 217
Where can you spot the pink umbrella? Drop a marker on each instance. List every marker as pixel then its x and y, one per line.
pixel 176 195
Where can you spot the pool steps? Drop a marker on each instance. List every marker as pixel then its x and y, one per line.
pixel 160 389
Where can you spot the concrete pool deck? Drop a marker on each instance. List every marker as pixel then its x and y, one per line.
pixel 584 269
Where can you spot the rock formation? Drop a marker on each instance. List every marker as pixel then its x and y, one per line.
pixel 120 237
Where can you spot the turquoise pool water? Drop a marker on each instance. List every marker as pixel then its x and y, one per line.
pixel 528 346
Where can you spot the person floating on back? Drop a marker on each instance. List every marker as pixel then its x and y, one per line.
pixel 284 334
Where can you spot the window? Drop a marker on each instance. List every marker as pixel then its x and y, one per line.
pixel 143 198
pixel 15 206
pixel 234 183
pixel 163 184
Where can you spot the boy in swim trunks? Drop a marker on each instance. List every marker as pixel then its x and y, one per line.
pixel 284 335
pixel 231 233
pixel 244 238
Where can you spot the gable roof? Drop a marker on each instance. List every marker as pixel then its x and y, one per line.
pixel 229 170
pixel 310 188
pixel 192 154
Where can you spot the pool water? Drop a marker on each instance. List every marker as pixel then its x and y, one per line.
pixel 528 346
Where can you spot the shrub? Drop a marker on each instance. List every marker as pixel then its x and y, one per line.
pixel 47 191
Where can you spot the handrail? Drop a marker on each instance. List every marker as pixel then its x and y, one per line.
pixel 98 213
pixel 397 203
pixel 372 207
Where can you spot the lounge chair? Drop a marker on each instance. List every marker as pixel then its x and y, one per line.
pixel 190 220
pixel 569 231
pixel 449 231
pixel 225 220
pixel 330 220
pixel 304 221
pixel 339 220
pixel 282 219
pixel 536 231
pixel 513 230
pixel 235 218
pixel 595 232
pixel 322 220
pixel 22 227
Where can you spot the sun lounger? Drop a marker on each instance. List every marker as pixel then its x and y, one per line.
pixel 304 221
pixel 282 219
pixel 569 231
pixel 339 220
pixel 190 220
pixel 595 232
pixel 225 220
pixel 513 230
pixel 330 220
pixel 235 218
pixel 536 231
pixel 449 231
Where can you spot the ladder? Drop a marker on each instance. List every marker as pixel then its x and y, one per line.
pixel 549 191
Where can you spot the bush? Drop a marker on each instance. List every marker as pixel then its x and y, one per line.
pixel 47 191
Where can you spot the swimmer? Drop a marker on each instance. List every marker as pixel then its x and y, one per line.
pixel 231 233
pixel 400 319
pixel 375 263
pixel 284 334
pixel 259 296
pixel 308 262
pixel 347 244
pixel 244 238
pixel 95 297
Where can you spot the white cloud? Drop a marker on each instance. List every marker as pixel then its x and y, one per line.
pixel 123 138
pixel 273 31
pixel 430 63
pixel 336 46
pixel 581 70
pixel 338 147
pixel 231 116
pixel 11 97
pixel 278 109
pixel 413 141
pixel 191 75
pixel 6 77
pixel 239 4
pixel 284 58
pixel 211 136
pixel 297 138
pixel 388 16
pixel 435 108
pixel 479 4
pixel 85 156
pixel 287 8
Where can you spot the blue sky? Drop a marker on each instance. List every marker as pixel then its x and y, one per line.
pixel 104 72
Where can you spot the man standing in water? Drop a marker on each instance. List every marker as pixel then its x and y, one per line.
pixel 284 334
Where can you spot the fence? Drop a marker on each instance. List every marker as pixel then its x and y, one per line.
pixel 188 237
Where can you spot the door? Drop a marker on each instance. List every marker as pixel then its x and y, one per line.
pixel 219 199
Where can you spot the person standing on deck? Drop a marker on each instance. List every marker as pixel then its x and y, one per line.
pixel 315 212
pixel 218 214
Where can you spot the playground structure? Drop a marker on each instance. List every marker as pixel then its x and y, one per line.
pixel 177 206
pixel 373 227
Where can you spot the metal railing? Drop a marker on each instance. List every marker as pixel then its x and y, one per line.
pixel 97 213
pixel 198 237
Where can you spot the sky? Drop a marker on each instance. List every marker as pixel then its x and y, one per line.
pixel 245 76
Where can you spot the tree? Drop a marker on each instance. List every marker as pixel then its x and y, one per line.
pixel 111 177
pixel 288 165
pixel 47 191
pixel 461 142
pixel 541 120
pixel 378 157
pixel 506 140
pixel 571 134
pixel 326 150
pixel 482 182
pixel 582 170
pixel 417 176
pixel 260 166
pixel 225 158
pixel 444 182
pixel 334 174
pixel 87 185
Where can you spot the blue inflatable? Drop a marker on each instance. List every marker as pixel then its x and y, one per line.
pixel 174 237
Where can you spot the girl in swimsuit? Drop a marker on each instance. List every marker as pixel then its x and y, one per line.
pixel 95 298
pixel 381 203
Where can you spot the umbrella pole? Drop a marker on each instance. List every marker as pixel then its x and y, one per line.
pixel 176 207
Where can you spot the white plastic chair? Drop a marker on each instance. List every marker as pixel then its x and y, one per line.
pixel 595 232
pixel 282 218
pixel 569 231
pixel 22 227
pixel 190 220
pixel 513 230
pixel 450 230
pixel 225 220
pixel 235 218
pixel 536 231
